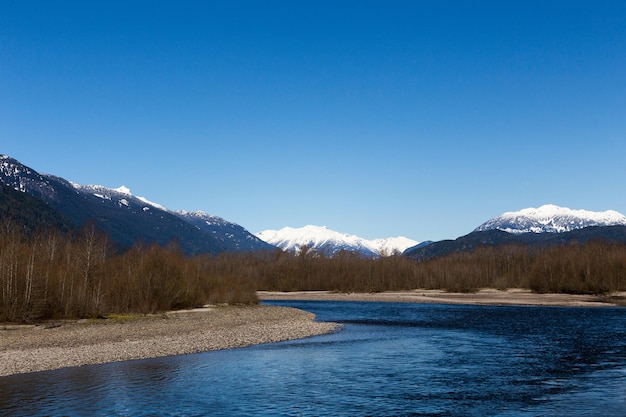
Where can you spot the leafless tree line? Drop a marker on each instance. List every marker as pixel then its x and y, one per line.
pixel 591 268
pixel 51 275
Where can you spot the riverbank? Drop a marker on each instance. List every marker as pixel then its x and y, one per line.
pixel 482 297
pixel 26 349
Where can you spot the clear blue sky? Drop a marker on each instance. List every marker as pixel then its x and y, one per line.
pixel 376 118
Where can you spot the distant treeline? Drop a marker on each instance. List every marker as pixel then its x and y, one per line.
pixel 53 275
pixel 591 268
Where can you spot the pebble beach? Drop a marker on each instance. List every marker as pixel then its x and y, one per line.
pixel 57 345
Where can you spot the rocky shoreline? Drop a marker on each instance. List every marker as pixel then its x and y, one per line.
pixel 26 349
pixel 49 346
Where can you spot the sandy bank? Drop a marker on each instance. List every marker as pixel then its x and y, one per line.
pixel 37 348
pixel 482 297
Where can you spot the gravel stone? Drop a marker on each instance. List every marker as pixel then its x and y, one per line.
pixel 26 349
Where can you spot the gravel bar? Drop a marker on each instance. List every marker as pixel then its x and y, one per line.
pixel 26 349
pixel 485 296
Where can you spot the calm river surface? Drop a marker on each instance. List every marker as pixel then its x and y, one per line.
pixel 389 359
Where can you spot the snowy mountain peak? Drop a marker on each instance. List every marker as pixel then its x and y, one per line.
pixel 330 242
pixel 121 194
pixel 123 190
pixel 552 219
pixel 389 246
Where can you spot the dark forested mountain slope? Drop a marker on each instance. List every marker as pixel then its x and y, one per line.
pixel 29 213
pixel 495 237
pixel 228 233
pixel 126 219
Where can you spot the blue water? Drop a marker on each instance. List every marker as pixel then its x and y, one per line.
pixel 389 359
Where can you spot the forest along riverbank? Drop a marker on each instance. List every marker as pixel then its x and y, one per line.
pixel 73 343
pixel 483 297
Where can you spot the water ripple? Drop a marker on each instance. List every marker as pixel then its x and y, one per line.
pixel 388 360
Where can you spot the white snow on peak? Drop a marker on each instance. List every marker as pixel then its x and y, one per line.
pixel 551 218
pixel 123 190
pixel 392 245
pixel 102 189
pixel 107 193
pixel 327 241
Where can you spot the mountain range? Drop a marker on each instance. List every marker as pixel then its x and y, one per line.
pixel 37 201
pixel 125 218
pixel 329 242
pixel 546 225
pixel 551 219
pixel 543 226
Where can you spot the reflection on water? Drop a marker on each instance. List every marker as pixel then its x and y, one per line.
pixel 389 359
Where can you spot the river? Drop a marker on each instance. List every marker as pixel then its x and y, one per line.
pixel 388 359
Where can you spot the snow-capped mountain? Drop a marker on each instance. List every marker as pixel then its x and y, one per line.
pixel 329 242
pixel 552 219
pixel 393 245
pixel 121 196
pixel 126 218
pixel 22 178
